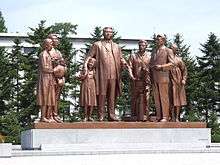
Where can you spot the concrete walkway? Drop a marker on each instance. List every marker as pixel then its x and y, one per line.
pixel 122 159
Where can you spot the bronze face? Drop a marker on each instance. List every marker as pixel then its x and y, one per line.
pixel 160 41
pixel 55 39
pixel 142 46
pixel 107 33
pixel 91 64
pixel 174 48
pixel 48 44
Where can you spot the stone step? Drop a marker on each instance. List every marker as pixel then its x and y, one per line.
pixel 99 149
pixel 122 146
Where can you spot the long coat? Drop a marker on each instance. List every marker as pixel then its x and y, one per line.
pixel 98 51
pixel 46 81
pixel 178 74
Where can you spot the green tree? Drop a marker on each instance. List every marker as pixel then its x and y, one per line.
pixel 15 75
pixel 209 67
pixel 11 120
pixel 3 76
pixel 9 123
pixel 3 28
pixel 209 82
pixel 96 35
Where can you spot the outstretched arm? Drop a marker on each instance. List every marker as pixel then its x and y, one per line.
pixel 91 54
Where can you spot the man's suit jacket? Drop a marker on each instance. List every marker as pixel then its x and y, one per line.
pixel 164 57
pixel 98 51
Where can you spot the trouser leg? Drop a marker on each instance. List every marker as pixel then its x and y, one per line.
pixel 111 97
pixel 164 99
pixel 101 106
pixel 44 110
pixel 157 101
pixel 147 105
pixel 90 109
pixel 177 113
pixel 85 113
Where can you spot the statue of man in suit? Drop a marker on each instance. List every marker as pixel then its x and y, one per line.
pixel 161 63
pixel 109 62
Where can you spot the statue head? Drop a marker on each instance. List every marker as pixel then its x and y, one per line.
pixel 175 49
pixel 91 63
pixel 54 38
pixel 47 44
pixel 142 45
pixel 107 33
pixel 160 40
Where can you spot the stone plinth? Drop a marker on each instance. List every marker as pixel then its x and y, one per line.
pixel 105 133
pixel 5 149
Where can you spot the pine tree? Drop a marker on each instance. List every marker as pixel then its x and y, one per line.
pixel 3 76
pixel 11 128
pixel 9 124
pixel 15 75
pixel 96 35
pixel 37 35
pixel 11 120
pixel 209 75
pixel 209 82
pixel 3 28
pixel 153 45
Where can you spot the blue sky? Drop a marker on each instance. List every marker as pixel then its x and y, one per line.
pixel 194 19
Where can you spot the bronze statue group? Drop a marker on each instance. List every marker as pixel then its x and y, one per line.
pixel 162 70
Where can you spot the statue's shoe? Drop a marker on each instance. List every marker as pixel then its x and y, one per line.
pixel 101 119
pixel 113 119
pixel 57 119
pixel 164 120
pixel 44 120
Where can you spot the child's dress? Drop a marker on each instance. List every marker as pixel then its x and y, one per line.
pixel 88 90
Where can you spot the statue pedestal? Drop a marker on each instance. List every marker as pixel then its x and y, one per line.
pixel 5 150
pixel 114 135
